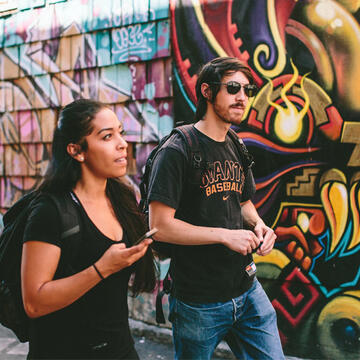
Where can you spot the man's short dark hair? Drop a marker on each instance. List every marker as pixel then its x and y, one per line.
pixel 213 72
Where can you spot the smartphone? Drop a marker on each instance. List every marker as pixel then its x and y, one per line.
pixel 147 235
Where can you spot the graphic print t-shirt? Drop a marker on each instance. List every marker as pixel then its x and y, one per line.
pixel 204 273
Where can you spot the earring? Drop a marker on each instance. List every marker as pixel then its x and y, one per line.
pixel 81 158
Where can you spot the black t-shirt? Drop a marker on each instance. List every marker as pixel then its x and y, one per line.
pixel 101 315
pixel 204 273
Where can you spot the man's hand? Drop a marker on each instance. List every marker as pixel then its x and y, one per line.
pixel 241 241
pixel 266 237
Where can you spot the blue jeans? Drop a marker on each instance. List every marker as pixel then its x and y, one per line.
pixel 247 323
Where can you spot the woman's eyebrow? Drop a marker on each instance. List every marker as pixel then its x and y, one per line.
pixel 108 129
pixel 104 129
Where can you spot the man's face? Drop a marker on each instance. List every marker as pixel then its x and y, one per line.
pixel 227 107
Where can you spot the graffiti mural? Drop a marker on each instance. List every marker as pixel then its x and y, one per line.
pixel 50 56
pixel 303 129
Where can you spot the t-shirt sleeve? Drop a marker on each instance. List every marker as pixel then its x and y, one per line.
pixel 167 177
pixel 43 223
pixel 249 187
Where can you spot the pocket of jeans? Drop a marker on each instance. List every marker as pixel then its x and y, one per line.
pixel 202 307
pixel 206 316
pixel 194 324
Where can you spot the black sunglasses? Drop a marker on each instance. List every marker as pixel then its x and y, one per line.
pixel 233 87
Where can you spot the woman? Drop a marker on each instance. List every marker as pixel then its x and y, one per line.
pixel 84 313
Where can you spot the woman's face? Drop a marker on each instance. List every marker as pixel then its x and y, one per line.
pixel 106 148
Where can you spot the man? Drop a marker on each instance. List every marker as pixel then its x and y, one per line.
pixel 215 294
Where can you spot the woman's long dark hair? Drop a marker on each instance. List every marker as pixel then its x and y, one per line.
pixel 75 122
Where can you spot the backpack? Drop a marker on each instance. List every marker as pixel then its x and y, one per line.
pixel 12 313
pixel 198 164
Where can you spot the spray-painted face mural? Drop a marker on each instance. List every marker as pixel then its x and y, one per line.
pixel 303 128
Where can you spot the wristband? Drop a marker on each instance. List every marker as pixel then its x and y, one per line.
pixel 98 272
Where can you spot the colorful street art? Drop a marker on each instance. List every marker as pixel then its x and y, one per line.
pixel 53 54
pixel 303 126
pixel 303 129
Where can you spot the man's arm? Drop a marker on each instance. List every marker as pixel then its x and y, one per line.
pixel 176 231
pixel 265 234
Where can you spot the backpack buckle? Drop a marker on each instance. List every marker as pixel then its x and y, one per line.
pixel 197 160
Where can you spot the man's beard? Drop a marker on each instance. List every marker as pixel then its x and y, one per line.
pixel 222 115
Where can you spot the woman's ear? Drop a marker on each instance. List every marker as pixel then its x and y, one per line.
pixel 74 150
pixel 206 91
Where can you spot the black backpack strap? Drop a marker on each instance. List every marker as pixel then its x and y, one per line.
pixel 246 158
pixel 188 133
pixel 68 213
pixel 144 183
pixel 167 285
pixel 67 208
pixel 195 151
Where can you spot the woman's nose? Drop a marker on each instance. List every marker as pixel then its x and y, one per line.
pixel 122 142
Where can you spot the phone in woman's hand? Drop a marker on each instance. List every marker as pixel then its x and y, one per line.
pixel 147 235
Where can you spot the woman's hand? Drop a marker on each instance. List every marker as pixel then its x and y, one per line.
pixel 118 257
pixel 43 295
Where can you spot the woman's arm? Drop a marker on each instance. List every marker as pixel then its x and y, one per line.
pixel 42 295
pixel 172 230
